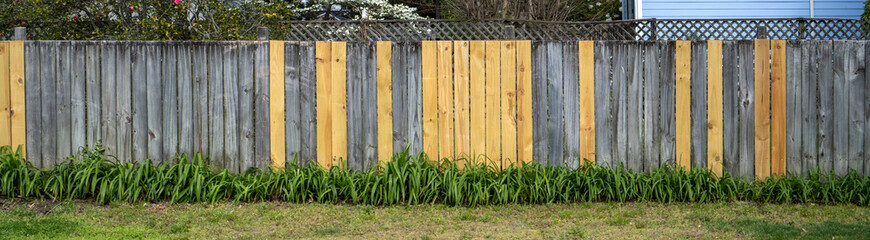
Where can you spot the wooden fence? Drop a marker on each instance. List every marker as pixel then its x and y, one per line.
pixel 750 108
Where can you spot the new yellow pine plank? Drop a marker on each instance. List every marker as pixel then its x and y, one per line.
pixel 715 122
pixel 525 140
pixel 385 100
pixel 762 108
pixel 445 99
pixel 5 137
pixel 323 70
pixel 586 75
pixel 684 102
pixel 508 103
pixel 16 86
pixel 461 99
pixel 493 103
pixel 429 53
pixel 276 104
pixel 339 103
pixel 477 73
pixel 778 108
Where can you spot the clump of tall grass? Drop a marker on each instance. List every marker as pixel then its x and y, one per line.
pixel 406 179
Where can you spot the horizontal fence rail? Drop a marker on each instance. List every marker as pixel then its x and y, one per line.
pixel 752 108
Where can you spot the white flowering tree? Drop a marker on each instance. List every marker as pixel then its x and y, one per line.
pixel 355 10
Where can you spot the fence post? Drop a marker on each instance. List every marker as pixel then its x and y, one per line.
pixel 510 32
pixel 654 27
pixel 262 33
pixel 20 33
pixel 802 28
pixel 761 32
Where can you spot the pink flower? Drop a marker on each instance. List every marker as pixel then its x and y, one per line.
pixel 131 8
pixel 75 18
pixel 177 2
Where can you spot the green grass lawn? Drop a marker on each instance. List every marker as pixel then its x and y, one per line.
pixel 85 220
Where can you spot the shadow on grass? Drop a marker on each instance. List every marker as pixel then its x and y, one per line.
pixel 760 229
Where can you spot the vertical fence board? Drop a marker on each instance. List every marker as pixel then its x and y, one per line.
pixel 324 103
pixel 714 107
pixel 246 106
pixel 698 99
pixel 586 85
pixel 17 108
pixel 215 104
pixel 64 119
pixel 618 106
pixel 339 103
pixel 651 137
pixel 430 98
pixel 603 133
pixel 170 100
pixel 477 85
pixel 355 72
pixel 231 106
pixel 493 105
pixel 445 99
pixel 840 114
pixel 461 98
pixel 277 146
pixel 292 102
pixel 826 106
pixel 555 124
pixel 185 100
pixel 5 137
pixel 809 105
pixel 730 104
pixel 92 92
pixel 778 108
pixel 139 102
pixel 108 83
pixel 48 68
pixel 855 85
pixel 308 112
pixel 262 127
pixel 154 97
pixel 415 99
pixel 33 88
pixel 370 110
pixel 683 103
pixel 398 69
pixel 571 110
pixel 794 106
pixel 539 101
pixel 385 102
pixel 509 103
pixel 667 121
pixel 634 114
pixel 746 110
pixel 866 110
pixel 762 108
pixel 200 97
pixel 525 124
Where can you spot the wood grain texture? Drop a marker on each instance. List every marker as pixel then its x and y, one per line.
pixel 571 110
pixel 461 99
pixel 667 80
pixel 324 103
pixel 215 105
pixel 683 102
pixel 339 103
pixel 92 93
pixel 308 111
pixel 231 106
pixel 618 107
pixel 840 114
pixel 826 106
pixel 778 108
pixel 62 94
pixel 400 99
pixel 634 109
pixel 651 106
pixel 430 98
pixel 586 79
pixel 445 99
pixel 539 102
pixel 355 72
pixel 477 105
pixel 277 133
pixel 508 98
pixel 866 111
pixel 33 89
pixel 809 107
pixel 292 103
pixel 170 102
pixel 715 104
pixel 198 73
pixel 246 106
pixel 555 99
pixel 17 108
pixel 525 124
pixel 762 108
pixel 140 100
pixel 699 104
pixel 48 70
pixel 185 100
pixel 5 124
pixel 855 72
pixel 262 126
pixel 731 102
pixel 415 99
pixel 370 110
pixel 385 103
pixel 794 106
pixel 603 151
pixel 154 98
pixel 493 104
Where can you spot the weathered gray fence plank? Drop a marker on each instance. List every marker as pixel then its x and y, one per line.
pixel 699 104
pixel 78 113
pixel 48 68
pixel 539 102
pixel 262 149
pixel 866 110
pixel 619 106
pixel 246 106
pixel 64 62
pixel 730 99
pixel 809 106
pixel 92 93
pixel 231 106
pixel 651 137
pixel 139 102
pixel 216 104
pixel 154 96
pixel 571 110
pixel 746 127
pixel 108 127
pixel 400 96
pixel 840 114
pixel 33 96
pixel 855 87
pixel 186 117
pixel 634 110
pixel 826 106
pixel 292 101
pixel 170 100
pixel 415 97
pixel 603 151
pixel 667 121
pixel 355 63
pixel 199 80
pixel 555 124
pixel 370 109
pixel 123 107
pixel 307 109
pixel 793 108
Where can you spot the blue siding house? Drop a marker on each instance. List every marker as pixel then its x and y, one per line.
pixel 713 9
